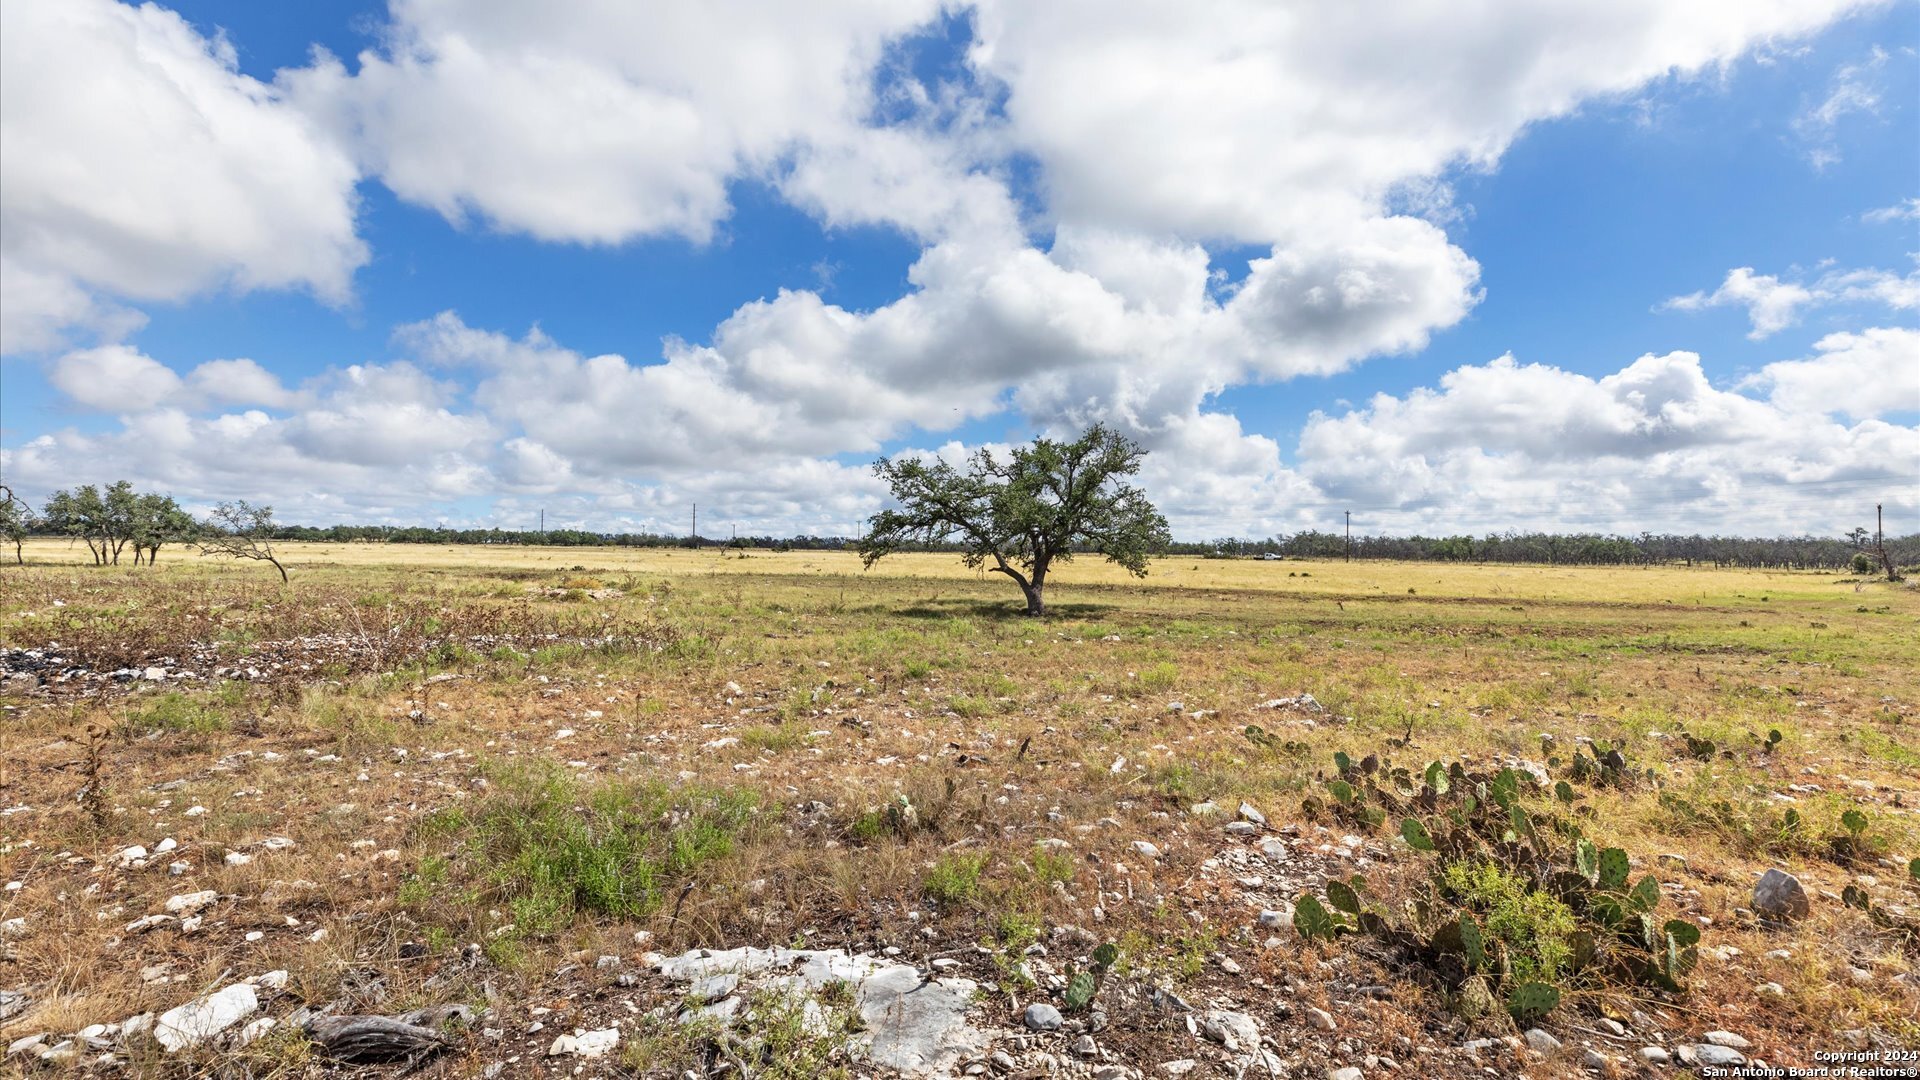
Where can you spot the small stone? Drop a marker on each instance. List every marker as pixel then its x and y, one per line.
pixel 188 903
pixel 1594 1060
pixel 1709 1054
pixel 238 858
pixel 1653 1055
pixel 1611 1026
pixel 132 855
pixel 1320 1018
pixel 1249 813
pixel 1229 965
pixel 1085 1046
pixel 1179 1066
pixel 1780 895
pixel 1726 1038
pixel 1275 920
pixel 1146 850
pixel 1041 1016
pixel 1771 989
pixel 1349 1072
pixel 204 1017
pixel 1233 1030
pixel 586 1044
pixel 1541 1041
pixel 1242 828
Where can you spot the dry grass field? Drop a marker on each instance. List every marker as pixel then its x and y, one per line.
pixel 516 779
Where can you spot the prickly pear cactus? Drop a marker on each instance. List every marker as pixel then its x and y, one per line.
pixel 1473 943
pixel 1080 990
pixel 1341 895
pixel 1419 839
pixel 1586 859
pixel 1677 958
pixel 1530 1001
pixel 1645 894
pixel 1613 869
pixel 1314 921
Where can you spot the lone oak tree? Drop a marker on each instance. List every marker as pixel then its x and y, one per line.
pixel 1040 506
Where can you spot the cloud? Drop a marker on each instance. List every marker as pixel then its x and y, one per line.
pixel 1854 88
pixel 1653 445
pixel 137 163
pixel 1243 120
pixel 1489 446
pixel 597 122
pixel 121 379
pixel 1873 373
pixel 1773 305
pixel 115 378
pixel 1907 210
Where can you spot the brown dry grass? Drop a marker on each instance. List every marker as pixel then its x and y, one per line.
pixel 851 690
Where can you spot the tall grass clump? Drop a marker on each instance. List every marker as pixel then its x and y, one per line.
pixel 553 847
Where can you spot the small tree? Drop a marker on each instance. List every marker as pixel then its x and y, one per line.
pixel 16 519
pixel 1025 513
pixel 158 520
pixel 240 530
pixel 81 513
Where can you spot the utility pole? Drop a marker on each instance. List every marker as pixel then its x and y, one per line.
pixel 696 524
pixel 1880 539
pixel 1349 536
pixel 543 523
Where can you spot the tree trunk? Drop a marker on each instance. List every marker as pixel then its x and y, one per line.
pixel 1036 603
pixel 277 566
pixel 1036 590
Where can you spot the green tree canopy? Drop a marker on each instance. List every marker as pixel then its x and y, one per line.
pixel 1024 513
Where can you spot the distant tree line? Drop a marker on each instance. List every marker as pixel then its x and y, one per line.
pixel 115 519
pixel 1582 549
pixel 418 534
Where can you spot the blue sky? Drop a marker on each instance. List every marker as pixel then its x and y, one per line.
pixel 923 230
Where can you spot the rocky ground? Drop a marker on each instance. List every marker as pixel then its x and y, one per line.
pixel 284 880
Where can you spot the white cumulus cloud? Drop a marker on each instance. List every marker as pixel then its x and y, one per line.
pixel 1773 304
pixel 137 164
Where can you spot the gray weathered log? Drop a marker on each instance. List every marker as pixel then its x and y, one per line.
pixel 373 1038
